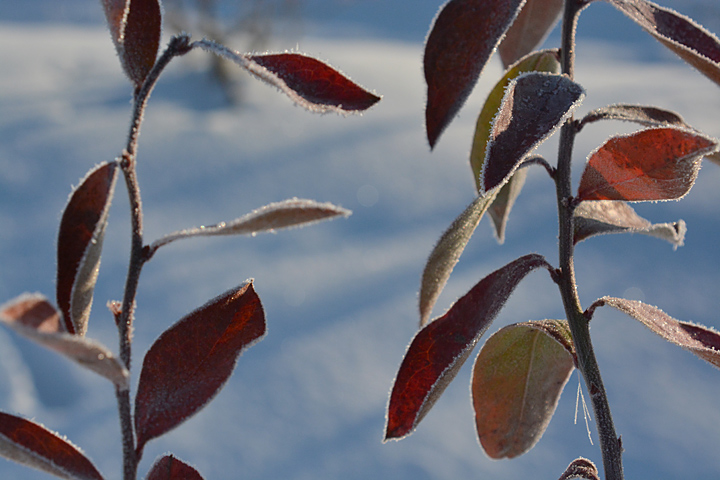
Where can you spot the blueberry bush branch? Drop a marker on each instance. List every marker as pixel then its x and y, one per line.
pixel 191 361
pixel 536 97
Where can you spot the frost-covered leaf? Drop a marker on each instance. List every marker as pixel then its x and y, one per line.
pixel 446 254
pixel 642 114
pixel 607 216
pixel 170 468
pixel 581 468
pixel 534 106
pixel 542 61
pixel 135 27
pixel 441 347
pixel 702 341
pixel 535 21
pixel 79 246
pixel 33 317
pixel 653 164
pixel 500 209
pixel 517 380
pixel 310 83
pixel 33 445
pixel 275 216
pixel 690 41
pixel 462 38
pixel 191 361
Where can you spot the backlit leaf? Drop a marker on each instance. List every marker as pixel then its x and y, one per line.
pixel 446 254
pixel 310 83
pixel 462 38
pixel 170 468
pixel 33 445
pixel 702 341
pixel 690 41
pixel 653 164
pixel 79 247
pixel 606 216
pixel 517 380
pixel 535 21
pixel 275 216
pixel 534 106
pixel 135 27
pixel 189 363
pixel 440 348
pixel 33 317
pixel 581 468
pixel 542 61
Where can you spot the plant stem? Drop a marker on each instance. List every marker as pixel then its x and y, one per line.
pixel 587 363
pixel 179 45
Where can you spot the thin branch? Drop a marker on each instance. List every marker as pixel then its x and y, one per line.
pixel 179 45
pixel 587 363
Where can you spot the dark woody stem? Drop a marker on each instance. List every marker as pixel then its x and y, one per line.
pixel 587 363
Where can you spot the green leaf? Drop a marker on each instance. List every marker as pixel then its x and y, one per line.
pixel 516 383
pixel 446 254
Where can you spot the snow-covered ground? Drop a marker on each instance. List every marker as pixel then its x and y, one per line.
pixel 308 401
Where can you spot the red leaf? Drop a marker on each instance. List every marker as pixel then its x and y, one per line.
pixel 534 106
pixel 702 341
pixel 317 82
pixel 30 444
pixel 33 317
pixel 80 240
pixel 461 41
pixel 438 350
pixel 536 19
pixel 170 468
pixel 189 363
pixel 653 164
pixel 310 83
pixel 135 27
pixel 687 39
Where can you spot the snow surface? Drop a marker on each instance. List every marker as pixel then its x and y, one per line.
pixel 308 401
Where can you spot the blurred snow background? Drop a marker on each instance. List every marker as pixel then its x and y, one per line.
pixel 308 401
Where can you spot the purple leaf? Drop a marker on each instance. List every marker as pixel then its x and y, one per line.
pixel 441 347
pixel 79 247
pixel 702 341
pixel 644 115
pixel 606 216
pixel 581 468
pixel 462 39
pixel 690 41
pixel 535 21
pixel 135 27
pixel 33 445
pixel 534 106
pixel 189 363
